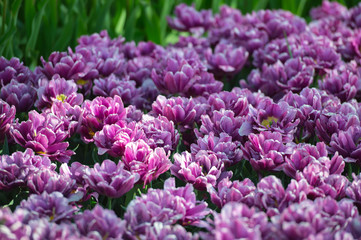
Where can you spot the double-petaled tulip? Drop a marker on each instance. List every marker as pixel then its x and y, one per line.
pixel 45 134
pixel 7 116
pixel 140 159
pixel 99 112
pixel 100 223
pixel 16 168
pixel 53 206
pixel 110 179
pixel 58 89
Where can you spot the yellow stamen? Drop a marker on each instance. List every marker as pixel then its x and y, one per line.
pixel 61 97
pixel 82 82
pixel 269 121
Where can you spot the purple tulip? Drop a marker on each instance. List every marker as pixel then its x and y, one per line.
pixel 20 95
pixel 309 104
pixel 7 116
pixel 160 132
pixel 327 9
pixel 266 151
pixel 99 112
pixel 347 143
pixel 335 118
pixel 16 168
pixel 342 83
pixel 146 95
pixel 223 147
pixel 12 227
pixel 140 68
pixel 58 89
pixel 304 154
pixel 53 206
pixel 133 114
pixel 158 206
pixel 269 195
pixel 71 116
pixel 189 19
pixel 226 59
pixel 277 23
pixel 224 121
pixel 276 117
pixel 354 191
pixel 181 72
pixel 274 51
pixel 113 138
pixel 229 101
pixel 103 52
pixel 114 86
pixel 43 229
pixel 354 20
pixel 140 159
pixel 100 39
pixel 237 221
pixel 232 191
pixel 201 170
pixel 162 231
pixel 180 110
pixel 322 217
pixel 275 80
pixel 110 179
pixel 45 134
pixel 69 66
pixel 13 69
pixel 205 85
pixel 47 180
pixel 100 223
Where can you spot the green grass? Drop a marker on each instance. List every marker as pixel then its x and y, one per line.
pixel 33 28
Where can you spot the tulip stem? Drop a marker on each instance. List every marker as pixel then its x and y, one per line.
pixel 109 203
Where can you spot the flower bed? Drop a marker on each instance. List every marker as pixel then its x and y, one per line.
pixel 248 127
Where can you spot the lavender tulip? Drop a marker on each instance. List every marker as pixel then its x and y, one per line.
pixel 158 206
pixel 113 138
pixel 110 179
pixel 226 59
pixel 201 170
pixel 232 191
pixel 16 168
pixel 53 206
pixel 45 134
pixel 7 116
pixel 20 95
pixel 140 159
pixel 160 132
pixel 100 223
pixel 236 221
pixel 266 151
pixel 189 19
pixel 99 112
pixel 47 180
pixel 58 89
pixel 113 86
pixel 226 150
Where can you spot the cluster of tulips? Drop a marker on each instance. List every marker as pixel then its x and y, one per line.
pixel 248 127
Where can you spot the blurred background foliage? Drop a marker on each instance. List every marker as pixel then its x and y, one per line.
pixel 33 28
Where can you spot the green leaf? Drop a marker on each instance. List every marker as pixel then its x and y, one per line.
pixel 35 27
pixel 261 4
pixel 5 149
pixel 121 21
pixel 300 8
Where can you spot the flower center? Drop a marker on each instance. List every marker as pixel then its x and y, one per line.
pixel 269 121
pixel 61 97
pixel 82 82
